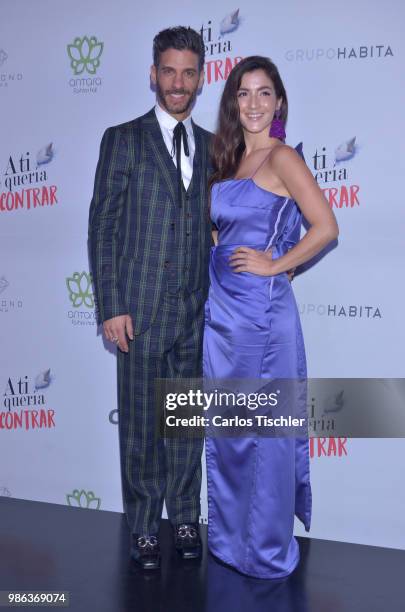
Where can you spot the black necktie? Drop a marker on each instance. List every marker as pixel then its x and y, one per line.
pixel 179 132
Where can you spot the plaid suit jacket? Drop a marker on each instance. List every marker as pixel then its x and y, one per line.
pixel 131 216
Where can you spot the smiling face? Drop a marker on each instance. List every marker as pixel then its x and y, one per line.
pixel 257 101
pixel 177 80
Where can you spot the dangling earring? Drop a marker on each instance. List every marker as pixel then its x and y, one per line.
pixel 277 128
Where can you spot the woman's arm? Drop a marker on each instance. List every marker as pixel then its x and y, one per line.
pixel 302 187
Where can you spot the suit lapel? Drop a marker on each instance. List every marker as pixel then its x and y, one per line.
pixel 160 153
pixel 199 159
pixel 164 161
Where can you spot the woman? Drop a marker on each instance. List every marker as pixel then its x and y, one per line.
pixel 259 189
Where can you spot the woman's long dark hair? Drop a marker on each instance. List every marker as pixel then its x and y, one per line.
pixel 229 144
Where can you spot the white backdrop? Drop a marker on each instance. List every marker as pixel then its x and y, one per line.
pixel 342 65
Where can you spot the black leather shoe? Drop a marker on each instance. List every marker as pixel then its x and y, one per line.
pixel 187 541
pixel 145 551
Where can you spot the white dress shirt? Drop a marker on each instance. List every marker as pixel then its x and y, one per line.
pixel 167 124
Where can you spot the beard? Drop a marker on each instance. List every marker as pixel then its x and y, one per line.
pixel 173 108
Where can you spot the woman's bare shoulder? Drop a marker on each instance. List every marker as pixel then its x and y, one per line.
pixel 282 153
pixel 285 160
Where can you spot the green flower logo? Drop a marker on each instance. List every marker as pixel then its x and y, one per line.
pixel 80 289
pixel 83 499
pixel 85 54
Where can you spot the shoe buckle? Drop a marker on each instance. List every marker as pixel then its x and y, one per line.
pixel 185 531
pixel 145 541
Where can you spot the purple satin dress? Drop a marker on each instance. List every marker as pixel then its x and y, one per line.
pixel 252 330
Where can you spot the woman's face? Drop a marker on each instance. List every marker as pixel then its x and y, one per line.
pixel 257 101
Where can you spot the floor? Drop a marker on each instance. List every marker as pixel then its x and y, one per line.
pixel 51 547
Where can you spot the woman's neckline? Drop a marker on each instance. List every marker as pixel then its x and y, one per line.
pixel 249 178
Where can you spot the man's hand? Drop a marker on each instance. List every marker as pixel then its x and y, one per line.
pixel 117 329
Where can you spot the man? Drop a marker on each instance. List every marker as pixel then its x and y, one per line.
pixel 149 242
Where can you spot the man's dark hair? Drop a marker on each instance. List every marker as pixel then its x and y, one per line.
pixel 179 38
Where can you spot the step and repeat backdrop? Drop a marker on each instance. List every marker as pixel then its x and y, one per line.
pixel 68 71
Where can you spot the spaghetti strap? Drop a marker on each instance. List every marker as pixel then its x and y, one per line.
pixel 266 157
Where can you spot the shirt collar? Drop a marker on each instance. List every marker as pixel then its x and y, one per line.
pixel 169 122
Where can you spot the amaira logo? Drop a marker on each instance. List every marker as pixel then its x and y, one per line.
pixel 218 43
pixel 83 499
pixel 81 296
pixel 25 181
pixel 84 54
pixel 80 290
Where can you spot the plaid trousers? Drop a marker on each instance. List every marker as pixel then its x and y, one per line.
pixel 155 469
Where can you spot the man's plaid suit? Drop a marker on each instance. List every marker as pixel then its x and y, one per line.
pixel 149 256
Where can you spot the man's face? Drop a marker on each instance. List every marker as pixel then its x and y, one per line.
pixel 177 80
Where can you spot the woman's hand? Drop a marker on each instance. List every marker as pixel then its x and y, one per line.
pixel 291 171
pixel 290 274
pixel 245 259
